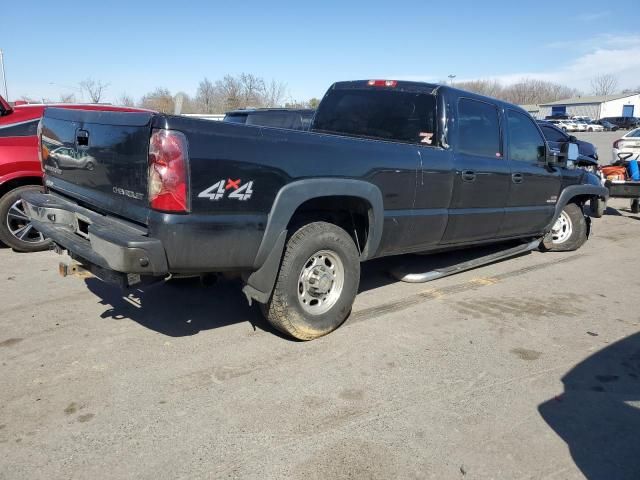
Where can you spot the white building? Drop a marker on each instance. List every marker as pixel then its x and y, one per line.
pixel 621 105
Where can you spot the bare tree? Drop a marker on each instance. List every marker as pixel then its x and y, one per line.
pixel 274 93
pixel 490 88
pixel 252 90
pixel 524 91
pixel 160 100
pixel 604 84
pixel 67 98
pixel 125 100
pixel 207 97
pixel 311 103
pixel 230 90
pixel 95 89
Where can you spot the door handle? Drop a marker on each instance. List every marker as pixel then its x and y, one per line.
pixel 517 177
pixel 468 175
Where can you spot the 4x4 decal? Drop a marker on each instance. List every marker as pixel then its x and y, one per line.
pixel 234 187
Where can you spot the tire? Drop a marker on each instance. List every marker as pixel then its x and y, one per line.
pixel 569 232
pixel 597 207
pixel 14 223
pixel 635 205
pixel 317 282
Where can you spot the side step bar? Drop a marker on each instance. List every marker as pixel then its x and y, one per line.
pixel 401 275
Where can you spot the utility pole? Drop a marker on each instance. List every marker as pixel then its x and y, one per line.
pixel 4 76
pixel 451 77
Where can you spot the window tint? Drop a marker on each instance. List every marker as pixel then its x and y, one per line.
pixel 478 129
pixel 633 133
pixel 26 129
pixel 382 114
pixel 289 120
pixel 235 118
pixel 553 135
pixel 525 142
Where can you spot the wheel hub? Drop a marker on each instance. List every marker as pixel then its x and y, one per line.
pixel 20 226
pixel 562 229
pixel 320 282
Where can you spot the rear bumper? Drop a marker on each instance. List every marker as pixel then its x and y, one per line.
pixel 101 240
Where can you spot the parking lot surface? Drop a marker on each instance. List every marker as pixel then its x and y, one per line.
pixel 603 142
pixel 527 368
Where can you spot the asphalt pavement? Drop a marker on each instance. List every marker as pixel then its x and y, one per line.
pixel 526 368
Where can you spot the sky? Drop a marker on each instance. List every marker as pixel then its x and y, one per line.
pixel 138 45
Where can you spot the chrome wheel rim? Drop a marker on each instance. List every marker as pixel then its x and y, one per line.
pixel 320 282
pixel 562 229
pixel 20 226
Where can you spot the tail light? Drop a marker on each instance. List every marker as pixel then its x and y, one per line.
pixel 168 179
pixel 382 83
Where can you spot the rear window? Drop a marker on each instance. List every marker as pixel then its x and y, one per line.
pixel 289 120
pixel 380 114
pixel 242 118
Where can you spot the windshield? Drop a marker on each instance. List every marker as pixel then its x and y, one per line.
pixel 634 133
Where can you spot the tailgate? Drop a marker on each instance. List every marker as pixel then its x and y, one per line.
pixel 99 158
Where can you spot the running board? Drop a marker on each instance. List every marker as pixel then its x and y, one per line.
pixel 461 267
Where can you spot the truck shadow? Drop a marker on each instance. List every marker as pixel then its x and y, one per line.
pixel 179 308
pixel 185 307
pixel 598 415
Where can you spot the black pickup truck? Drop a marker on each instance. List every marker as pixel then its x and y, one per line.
pixel 388 167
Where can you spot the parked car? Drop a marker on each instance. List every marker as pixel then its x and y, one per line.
pixel 582 118
pixel 594 127
pixel 290 118
pixel 564 125
pixel 556 137
pixel 624 122
pixel 21 171
pixel 388 167
pixel 581 126
pixel 608 126
pixel 628 143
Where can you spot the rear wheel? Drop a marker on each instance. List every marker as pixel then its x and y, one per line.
pixel 569 232
pixel 16 230
pixel 317 283
pixel 635 205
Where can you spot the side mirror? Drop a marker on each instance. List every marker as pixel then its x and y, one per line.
pixel 553 157
pixel 572 138
pixel 571 151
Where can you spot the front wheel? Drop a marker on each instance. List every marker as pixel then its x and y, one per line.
pixel 569 232
pixel 597 206
pixel 317 283
pixel 16 230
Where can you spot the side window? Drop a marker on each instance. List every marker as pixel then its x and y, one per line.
pixel 478 129
pixel 525 142
pixel 25 129
pixel 553 135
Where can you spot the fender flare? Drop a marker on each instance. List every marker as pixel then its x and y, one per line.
pixel 21 174
pixel 259 284
pixel 572 191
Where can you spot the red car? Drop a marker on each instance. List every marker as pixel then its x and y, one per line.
pixel 20 169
